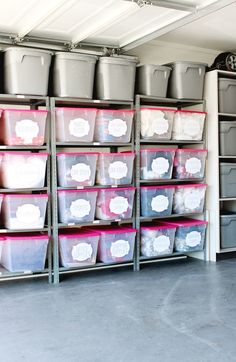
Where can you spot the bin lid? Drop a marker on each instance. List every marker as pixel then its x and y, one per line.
pixel 185 222
pixel 157 227
pixel 154 66
pixel 114 230
pixel 185 62
pixel 118 60
pixel 27 50
pixel 77 56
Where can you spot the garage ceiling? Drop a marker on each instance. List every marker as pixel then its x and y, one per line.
pixel 105 23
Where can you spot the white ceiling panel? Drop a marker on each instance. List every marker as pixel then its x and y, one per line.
pixel 215 31
pixel 146 20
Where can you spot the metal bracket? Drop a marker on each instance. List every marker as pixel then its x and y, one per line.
pixel 17 40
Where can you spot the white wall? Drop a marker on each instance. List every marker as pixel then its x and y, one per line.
pixel 159 52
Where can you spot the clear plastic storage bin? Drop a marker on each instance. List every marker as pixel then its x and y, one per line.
pixel 75 124
pixel 156 200
pixel 26 211
pixel 156 123
pixel 78 249
pixel 190 234
pixel 23 170
pixel 188 125
pixel 76 168
pixel 24 253
pixel 76 206
pixel 189 163
pixel 157 240
pixel 116 245
pixel 23 127
pixel 113 125
pixel 113 204
pixel 189 199
pixel 1 246
pixel 115 168
pixel 156 163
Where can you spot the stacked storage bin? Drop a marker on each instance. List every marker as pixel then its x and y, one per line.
pixel 24 203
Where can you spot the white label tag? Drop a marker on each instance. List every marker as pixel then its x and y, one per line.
pixel 160 125
pixel 118 205
pixel 82 252
pixel 117 170
pixel 192 201
pixel 117 127
pixel 79 127
pixel 27 130
pixel 28 214
pixel 160 165
pixel 193 165
pixel 192 127
pixel 160 203
pixel 80 172
pixel 120 248
pixel 80 208
pixel 193 238
pixel 161 243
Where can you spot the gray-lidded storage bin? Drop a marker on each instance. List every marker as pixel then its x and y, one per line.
pixel 228 230
pixel 26 71
pixel 73 75
pixel 186 80
pixel 227 95
pixel 152 80
pixel 227 179
pixel 227 138
pixel 115 78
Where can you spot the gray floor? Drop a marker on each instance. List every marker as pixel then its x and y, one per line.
pixel 177 311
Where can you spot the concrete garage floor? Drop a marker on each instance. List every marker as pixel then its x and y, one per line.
pixel 176 311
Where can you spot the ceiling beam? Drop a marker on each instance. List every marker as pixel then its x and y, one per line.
pixel 170 4
pixel 198 14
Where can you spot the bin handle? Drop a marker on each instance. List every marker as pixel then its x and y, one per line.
pixel 33 56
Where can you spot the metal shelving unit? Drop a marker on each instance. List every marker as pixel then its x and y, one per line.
pixel 141 100
pixel 32 102
pixel 214 201
pixel 56 226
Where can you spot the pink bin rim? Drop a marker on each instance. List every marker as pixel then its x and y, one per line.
pixel 157 227
pixel 26 195
pixel 114 154
pixel 190 185
pixel 28 237
pixel 78 190
pixel 158 187
pixel 158 109
pixel 190 150
pixel 115 230
pixel 189 111
pixel 76 153
pixel 25 110
pixel 82 234
pixel 185 222
pixel 112 189
pixel 75 109
pixel 28 153
pixel 116 110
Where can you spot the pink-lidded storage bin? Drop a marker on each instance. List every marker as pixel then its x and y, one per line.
pixel 189 199
pixel 188 125
pixel 76 206
pixel 115 168
pixel 76 168
pixel 190 234
pixel 190 163
pixel 115 203
pixel 24 211
pixel 75 124
pixel 116 245
pixel 24 253
pixel 23 169
pixel 156 123
pixel 157 240
pixel 156 163
pixel 23 127
pixel 78 249
pixel 113 125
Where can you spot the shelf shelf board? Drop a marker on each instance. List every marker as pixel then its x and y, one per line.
pixel 24 231
pixel 167 256
pixel 227 157
pixel 170 101
pixel 226 73
pixel 174 142
pixel 92 144
pixel 227 115
pixel 97 266
pixel 228 250
pixel 6 274
pixel 22 99
pixel 65 101
pixel 94 223
pixel 23 190
pixel 227 199
pixel 22 148
pixel 172 181
pixel 172 216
